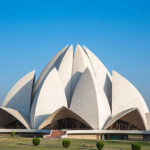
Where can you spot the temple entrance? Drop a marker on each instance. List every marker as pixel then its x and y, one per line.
pixel 67 123
pixel 122 125
pixel 64 118
pixel 7 121
pixel 127 120
pixel 15 125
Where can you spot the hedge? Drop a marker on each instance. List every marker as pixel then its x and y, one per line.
pixel 36 141
pixel 66 143
pixel 136 146
pixel 99 145
pixel 13 133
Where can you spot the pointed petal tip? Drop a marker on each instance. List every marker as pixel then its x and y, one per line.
pixel 33 71
pixel 71 46
pixel 114 71
pixel 78 46
pixel 67 46
pixel 84 46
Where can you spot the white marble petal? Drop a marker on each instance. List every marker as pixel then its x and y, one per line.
pixel 80 63
pixel 104 88
pixel 47 69
pixel 85 101
pixel 65 71
pixel 19 97
pixel 103 76
pixel 126 96
pixel 50 97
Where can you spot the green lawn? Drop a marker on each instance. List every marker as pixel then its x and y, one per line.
pixel 18 143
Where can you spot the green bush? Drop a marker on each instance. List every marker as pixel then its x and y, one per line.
pixel 36 141
pixel 136 146
pixel 13 133
pixel 66 143
pixel 99 145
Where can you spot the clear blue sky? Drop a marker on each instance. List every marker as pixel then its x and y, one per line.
pixel 117 31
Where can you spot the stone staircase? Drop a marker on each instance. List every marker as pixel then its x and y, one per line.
pixel 54 134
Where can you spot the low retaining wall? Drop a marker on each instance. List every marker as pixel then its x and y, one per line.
pixel 82 136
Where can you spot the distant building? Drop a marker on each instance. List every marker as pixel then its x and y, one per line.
pixel 75 91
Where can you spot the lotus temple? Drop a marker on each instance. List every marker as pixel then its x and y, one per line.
pixel 76 93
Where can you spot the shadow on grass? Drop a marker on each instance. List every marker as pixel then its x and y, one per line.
pixel 25 144
pixel 56 147
pixel 60 147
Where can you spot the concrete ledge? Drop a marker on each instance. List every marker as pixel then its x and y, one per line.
pixel 25 131
pixel 71 132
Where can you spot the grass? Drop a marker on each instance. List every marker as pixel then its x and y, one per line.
pixel 19 143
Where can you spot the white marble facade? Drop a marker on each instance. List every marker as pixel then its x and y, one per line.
pixel 79 83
